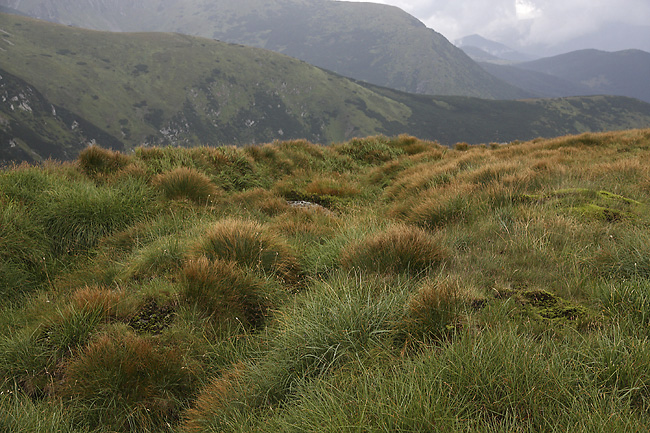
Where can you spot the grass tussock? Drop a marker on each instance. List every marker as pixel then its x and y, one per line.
pixel 487 288
pixel 186 183
pixel 432 314
pixel 400 248
pixel 249 244
pixel 126 383
pixel 227 292
pixel 95 161
pixel 107 302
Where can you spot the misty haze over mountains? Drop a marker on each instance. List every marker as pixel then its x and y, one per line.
pixel 580 72
pixel 539 28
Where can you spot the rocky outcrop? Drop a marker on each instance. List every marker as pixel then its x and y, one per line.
pixel 33 129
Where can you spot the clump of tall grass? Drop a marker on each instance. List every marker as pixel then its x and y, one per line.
pixel 94 160
pixel 19 413
pixel 413 145
pixel 441 206
pixel 107 302
pixel 400 248
pixel 181 222
pixel 338 321
pixel 26 184
pixel 163 257
pixel 271 157
pixel 311 222
pixel 79 215
pixel 227 292
pixel 627 303
pixel 421 177
pixel 216 406
pixel 432 314
pixel 24 251
pixel 71 329
pixel 126 383
pixel 369 150
pixel 249 244
pixel 337 186
pixel 625 255
pixel 259 200
pixel 494 381
pixel 186 183
pixel 27 361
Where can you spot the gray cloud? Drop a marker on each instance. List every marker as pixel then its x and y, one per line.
pixel 525 22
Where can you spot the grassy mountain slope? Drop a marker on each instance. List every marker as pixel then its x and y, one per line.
pixel 163 88
pixel 423 288
pixel 371 42
pixel 610 73
pixel 154 88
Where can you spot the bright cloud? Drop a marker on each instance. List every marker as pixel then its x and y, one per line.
pixel 524 21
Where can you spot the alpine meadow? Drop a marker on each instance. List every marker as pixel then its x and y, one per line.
pixel 378 284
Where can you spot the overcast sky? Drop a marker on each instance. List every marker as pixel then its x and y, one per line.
pixel 523 22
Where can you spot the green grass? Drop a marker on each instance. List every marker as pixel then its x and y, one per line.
pixel 447 290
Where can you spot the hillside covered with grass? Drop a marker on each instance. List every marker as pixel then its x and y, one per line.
pixel 366 41
pixel 63 87
pixel 380 284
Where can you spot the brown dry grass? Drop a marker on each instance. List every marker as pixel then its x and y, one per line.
pixel 225 291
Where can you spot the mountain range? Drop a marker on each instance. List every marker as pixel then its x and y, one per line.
pixel 581 72
pixel 131 89
pixel 379 44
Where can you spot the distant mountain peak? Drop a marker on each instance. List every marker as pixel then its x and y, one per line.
pixel 475 45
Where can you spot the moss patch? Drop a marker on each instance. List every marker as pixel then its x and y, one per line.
pixel 152 318
pixel 541 304
pixel 591 204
